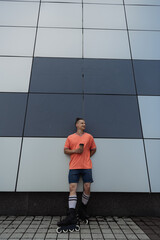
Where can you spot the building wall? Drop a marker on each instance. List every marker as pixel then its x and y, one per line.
pixel 97 59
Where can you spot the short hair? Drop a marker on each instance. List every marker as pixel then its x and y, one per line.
pixel 77 119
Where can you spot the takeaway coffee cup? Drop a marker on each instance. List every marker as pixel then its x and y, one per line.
pixel 81 145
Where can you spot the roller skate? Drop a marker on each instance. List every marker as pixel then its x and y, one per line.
pixel 69 224
pixel 82 214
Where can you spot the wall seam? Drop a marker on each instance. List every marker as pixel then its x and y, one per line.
pixel 145 154
pixel 83 114
pixel 27 101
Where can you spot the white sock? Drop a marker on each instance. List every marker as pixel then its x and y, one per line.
pixel 72 201
pixel 85 198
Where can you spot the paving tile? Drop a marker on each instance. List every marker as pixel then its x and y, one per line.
pixel 62 236
pixel 120 236
pixel 106 231
pixel 74 236
pixel 39 236
pixel 86 235
pixel 131 236
pixel 94 226
pixel 128 231
pixel 97 236
pixel 85 231
pixel 85 227
pixel 142 236
pixel 16 239
pixel 109 235
pixel 117 231
pixel 17 235
pixel 28 235
pixel 5 235
pixel 85 239
pixel 109 238
pixel 96 230
pixel 51 235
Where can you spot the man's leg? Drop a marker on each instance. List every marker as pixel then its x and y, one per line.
pixel 86 193
pixel 73 179
pixel 72 201
pixel 87 179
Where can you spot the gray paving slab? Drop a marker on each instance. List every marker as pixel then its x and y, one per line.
pixel 44 228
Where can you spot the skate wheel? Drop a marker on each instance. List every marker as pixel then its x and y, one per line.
pixel 77 228
pixel 65 231
pixel 71 230
pixel 59 230
pixel 86 221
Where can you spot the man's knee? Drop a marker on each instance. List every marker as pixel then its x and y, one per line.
pixel 87 187
pixel 73 188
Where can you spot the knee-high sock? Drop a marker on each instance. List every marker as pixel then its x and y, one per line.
pixel 85 198
pixel 72 201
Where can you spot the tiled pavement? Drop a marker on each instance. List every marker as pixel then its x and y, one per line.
pixel 110 228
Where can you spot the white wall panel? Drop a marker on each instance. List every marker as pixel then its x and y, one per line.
pixel 15 74
pixel 9 158
pixel 22 0
pixel 145 2
pixel 104 1
pixel 119 166
pixel 153 157
pixel 104 16
pixel 17 41
pixel 60 15
pixel 106 44
pixel 150 115
pixel 18 13
pixel 145 44
pixel 62 1
pixel 44 166
pixel 143 17
pixel 59 43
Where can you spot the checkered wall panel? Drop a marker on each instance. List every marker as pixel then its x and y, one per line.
pixel 95 59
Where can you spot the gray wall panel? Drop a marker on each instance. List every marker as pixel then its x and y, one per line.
pixel 112 116
pixel 12 112
pixel 147 75
pixel 57 75
pixel 108 76
pixel 64 75
pixel 52 114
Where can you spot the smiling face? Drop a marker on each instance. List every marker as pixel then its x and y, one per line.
pixel 81 125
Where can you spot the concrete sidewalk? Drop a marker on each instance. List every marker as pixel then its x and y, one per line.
pixel 110 228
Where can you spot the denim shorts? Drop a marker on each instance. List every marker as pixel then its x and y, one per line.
pixel 75 174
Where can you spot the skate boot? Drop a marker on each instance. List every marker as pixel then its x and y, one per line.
pixel 82 213
pixel 68 224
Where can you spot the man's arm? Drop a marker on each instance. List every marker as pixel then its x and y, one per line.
pixel 92 151
pixel 69 151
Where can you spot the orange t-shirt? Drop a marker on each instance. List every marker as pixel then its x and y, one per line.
pixel 80 161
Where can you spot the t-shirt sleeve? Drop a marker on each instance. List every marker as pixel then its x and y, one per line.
pixel 93 145
pixel 67 145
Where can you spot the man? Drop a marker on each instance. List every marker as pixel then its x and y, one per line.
pixel 80 146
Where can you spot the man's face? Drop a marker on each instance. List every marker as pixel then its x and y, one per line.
pixel 81 125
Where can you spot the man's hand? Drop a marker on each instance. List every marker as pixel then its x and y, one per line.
pixel 69 152
pixel 92 151
pixel 79 150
